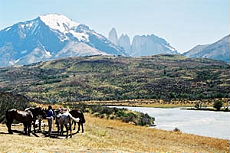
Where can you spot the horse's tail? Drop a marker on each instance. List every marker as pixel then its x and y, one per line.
pixel 10 113
pixel 7 115
pixel 83 118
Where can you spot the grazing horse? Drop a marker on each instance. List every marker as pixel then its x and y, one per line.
pixel 26 117
pixel 80 115
pixel 65 119
pixel 38 113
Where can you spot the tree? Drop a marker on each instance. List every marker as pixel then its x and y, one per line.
pixel 218 104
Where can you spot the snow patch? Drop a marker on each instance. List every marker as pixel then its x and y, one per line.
pixel 170 48
pixel 64 26
pixel 13 62
pixel 48 54
pixel 24 51
pixel 29 25
pixel 80 36
pixel 7 29
pixel 59 22
pixel 22 26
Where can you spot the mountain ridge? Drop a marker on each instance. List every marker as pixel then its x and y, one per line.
pixel 219 50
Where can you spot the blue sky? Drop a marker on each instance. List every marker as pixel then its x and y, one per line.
pixel 183 23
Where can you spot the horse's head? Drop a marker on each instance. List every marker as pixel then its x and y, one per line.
pixel 43 113
pixel 39 112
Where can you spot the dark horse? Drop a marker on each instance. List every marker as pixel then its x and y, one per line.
pixel 26 117
pixel 80 115
pixel 38 113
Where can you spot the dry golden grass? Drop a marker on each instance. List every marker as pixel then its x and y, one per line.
pixel 113 136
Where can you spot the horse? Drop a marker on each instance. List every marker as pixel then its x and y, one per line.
pixel 80 115
pixel 65 119
pixel 26 117
pixel 38 113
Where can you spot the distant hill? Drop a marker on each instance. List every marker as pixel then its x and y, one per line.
pixel 219 50
pixel 108 77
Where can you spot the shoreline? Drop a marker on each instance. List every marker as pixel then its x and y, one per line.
pixel 208 109
pixel 156 103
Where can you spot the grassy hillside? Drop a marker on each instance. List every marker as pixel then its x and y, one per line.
pixel 104 135
pixel 114 78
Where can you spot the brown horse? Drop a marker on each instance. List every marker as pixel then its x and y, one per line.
pixel 78 114
pixel 26 117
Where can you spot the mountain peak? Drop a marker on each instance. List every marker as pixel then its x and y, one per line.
pixel 58 22
pixel 113 36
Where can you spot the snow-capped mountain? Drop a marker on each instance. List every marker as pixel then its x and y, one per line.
pixel 219 50
pixel 145 45
pixel 51 36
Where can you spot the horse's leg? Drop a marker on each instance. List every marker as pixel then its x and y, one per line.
pixel 67 130
pixel 33 122
pixel 9 121
pixel 78 130
pixel 25 127
pixel 70 129
pixel 58 127
pixel 29 128
pixel 8 124
pixel 61 129
pixel 40 123
pixel 74 123
pixel 82 128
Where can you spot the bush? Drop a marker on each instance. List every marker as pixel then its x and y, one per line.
pixel 218 104
pixel 130 117
pixel 9 101
pixel 176 130
pixel 146 120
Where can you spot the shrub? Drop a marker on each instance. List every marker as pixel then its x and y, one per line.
pixel 129 117
pixel 146 120
pixel 218 104
pixel 176 130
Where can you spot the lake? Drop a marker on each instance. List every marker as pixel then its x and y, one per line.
pixel 204 123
